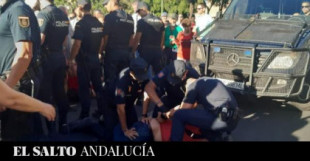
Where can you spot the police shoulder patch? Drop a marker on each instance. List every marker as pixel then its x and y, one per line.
pixel 23 21
pixel 40 21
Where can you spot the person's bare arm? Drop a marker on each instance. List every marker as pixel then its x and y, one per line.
pixel 130 133
pixel 105 40
pixel 170 113
pixel 43 36
pixel 150 89
pixel 75 49
pixel 136 40
pixel 21 62
pixel 21 102
pixel 162 44
pixel 145 106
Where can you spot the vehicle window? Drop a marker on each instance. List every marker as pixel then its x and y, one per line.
pixel 264 9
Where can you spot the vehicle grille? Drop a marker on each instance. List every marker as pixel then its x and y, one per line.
pixel 219 61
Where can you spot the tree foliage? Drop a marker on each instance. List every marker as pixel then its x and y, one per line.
pixel 170 6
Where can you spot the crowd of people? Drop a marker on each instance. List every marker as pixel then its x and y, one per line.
pixel 123 60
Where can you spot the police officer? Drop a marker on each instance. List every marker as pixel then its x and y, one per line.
pixel 54 26
pixel 150 34
pixel 219 112
pixel 19 50
pixel 129 88
pixel 167 88
pixel 87 45
pixel 118 32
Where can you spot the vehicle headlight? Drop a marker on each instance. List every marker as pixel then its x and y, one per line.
pixel 283 61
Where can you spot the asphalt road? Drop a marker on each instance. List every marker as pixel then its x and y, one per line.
pixel 267 120
pixel 262 120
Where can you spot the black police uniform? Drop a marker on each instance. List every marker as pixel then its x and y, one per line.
pixel 127 92
pixel 54 24
pixel 119 27
pixel 171 95
pixel 150 48
pixel 90 31
pixel 18 23
pixel 212 95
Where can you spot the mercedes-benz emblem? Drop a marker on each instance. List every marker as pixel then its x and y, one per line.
pixel 233 59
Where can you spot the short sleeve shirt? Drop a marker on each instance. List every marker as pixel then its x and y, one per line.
pixel 119 26
pixel 127 89
pixel 173 92
pixel 211 93
pixel 54 24
pixel 90 31
pixel 18 23
pixel 151 28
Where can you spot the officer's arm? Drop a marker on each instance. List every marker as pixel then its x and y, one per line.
pixel 21 102
pixel 75 49
pixel 163 40
pixel 102 47
pixel 186 106
pixel 21 62
pixel 105 41
pixel 136 41
pixel 182 106
pixel 122 116
pixel 150 89
pixel 43 36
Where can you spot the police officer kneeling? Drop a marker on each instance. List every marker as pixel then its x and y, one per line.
pixel 129 88
pixel 167 89
pixel 219 112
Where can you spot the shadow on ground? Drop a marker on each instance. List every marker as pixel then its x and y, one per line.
pixel 267 120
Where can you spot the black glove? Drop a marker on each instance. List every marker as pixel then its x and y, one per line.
pixel 163 109
pixel 163 116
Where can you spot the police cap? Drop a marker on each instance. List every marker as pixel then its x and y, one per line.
pixel 176 70
pixel 139 67
pixel 84 2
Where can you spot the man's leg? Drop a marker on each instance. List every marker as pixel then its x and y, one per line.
pixel 196 117
pixel 84 92
pixel 60 96
pixel 97 84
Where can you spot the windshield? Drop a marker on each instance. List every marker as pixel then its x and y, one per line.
pixel 265 9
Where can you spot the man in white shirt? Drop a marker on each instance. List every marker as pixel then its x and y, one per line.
pixel 136 17
pixel 202 20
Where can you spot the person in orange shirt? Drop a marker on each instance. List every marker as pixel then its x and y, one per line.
pixel 183 41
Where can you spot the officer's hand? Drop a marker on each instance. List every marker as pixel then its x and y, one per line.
pixel 159 118
pixel 145 120
pixel 163 109
pixel 2 108
pixel 170 113
pixel 131 134
pixel 48 111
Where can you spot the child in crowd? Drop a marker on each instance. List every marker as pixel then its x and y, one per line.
pixel 183 41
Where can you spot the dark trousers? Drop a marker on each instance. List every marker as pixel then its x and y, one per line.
pixel 52 89
pixel 19 126
pixel 153 56
pixel 114 62
pixel 169 55
pixel 89 72
pixel 200 118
